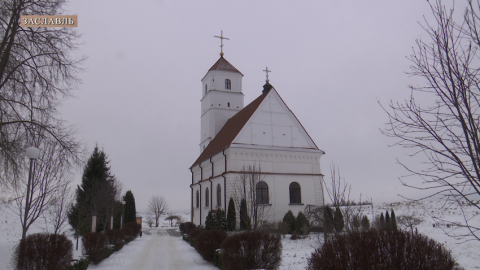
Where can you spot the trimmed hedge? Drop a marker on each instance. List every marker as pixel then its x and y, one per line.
pixel 187 226
pixel 43 251
pixel 375 249
pixel 115 237
pixel 208 241
pixel 95 245
pixel 251 250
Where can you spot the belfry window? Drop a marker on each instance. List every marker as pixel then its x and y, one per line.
pixel 219 195
pixel 206 198
pixel 228 84
pixel 295 194
pixel 262 193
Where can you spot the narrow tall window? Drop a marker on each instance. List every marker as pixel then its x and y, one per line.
pixel 198 200
pixel 228 104
pixel 206 198
pixel 219 195
pixel 228 84
pixel 262 193
pixel 205 89
pixel 295 194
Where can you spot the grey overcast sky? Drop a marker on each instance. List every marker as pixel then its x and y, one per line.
pixel 332 61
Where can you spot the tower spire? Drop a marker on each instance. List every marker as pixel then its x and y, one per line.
pixel 221 37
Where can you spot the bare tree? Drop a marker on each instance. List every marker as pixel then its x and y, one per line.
pixel 57 214
pixel 157 206
pixel 51 177
pixel 409 221
pixel 247 186
pixel 440 121
pixel 37 72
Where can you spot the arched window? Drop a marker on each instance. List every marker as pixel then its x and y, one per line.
pixel 206 198
pixel 295 194
pixel 219 195
pixel 262 193
pixel 198 200
pixel 228 104
pixel 228 84
pixel 205 89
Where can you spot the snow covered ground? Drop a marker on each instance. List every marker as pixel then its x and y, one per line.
pixel 157 249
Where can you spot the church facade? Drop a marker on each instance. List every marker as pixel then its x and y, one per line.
pixel 264 139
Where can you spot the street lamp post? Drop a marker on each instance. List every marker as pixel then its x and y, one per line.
pixel 32 154
pixel 123 215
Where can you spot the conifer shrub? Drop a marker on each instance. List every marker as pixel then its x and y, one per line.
pixel 329 220
pixel 116 237
pixel 95 245
pixel 231 216
pixel 339 222
pixel 301 224
pixel 187 226
pixel 251 250
pixel 377 249
pixel 365 223
pixel 43 251
pixel 210 221
pixel 245 222
pixel 208 241
pixel 289 218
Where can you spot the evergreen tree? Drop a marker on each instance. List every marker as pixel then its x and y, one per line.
pixel 231 216
pixel 329 221
pixel 130 210
pixel 365 223
pixel 245 223
pixel 339 223
pixel 95 195
pixel 209 221
pixel 356 223
pixel 300 221
pixel 387 221
pixel 393 221
pixel 220 221
pixel 289 218
pixel 381 224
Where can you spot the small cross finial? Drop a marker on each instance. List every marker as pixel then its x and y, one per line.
pixel 221 37
pixel 267 71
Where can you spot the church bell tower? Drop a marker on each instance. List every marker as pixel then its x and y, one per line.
pixel 222 97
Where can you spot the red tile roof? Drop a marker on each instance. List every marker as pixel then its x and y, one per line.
pixel 223 64
pixel 230 130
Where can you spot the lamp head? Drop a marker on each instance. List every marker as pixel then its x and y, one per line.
pixel 32 153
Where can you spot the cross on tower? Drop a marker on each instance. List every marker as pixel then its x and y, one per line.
pixel 221 37
pixel 267 71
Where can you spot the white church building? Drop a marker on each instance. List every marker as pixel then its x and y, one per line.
pixel 265 134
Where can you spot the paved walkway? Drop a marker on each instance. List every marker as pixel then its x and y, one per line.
pixel 156 249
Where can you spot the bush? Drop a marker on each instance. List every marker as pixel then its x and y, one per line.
pixel 128 234
pixel 301 223
pixel 187 226
pixel 43 251
pixel 251 250
pixel 376 249
pixel 136 228
pixel 208 241
pixel 289 218
pixel 81 264
pixel 192 235
pixel 115 237
pixel 95 245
